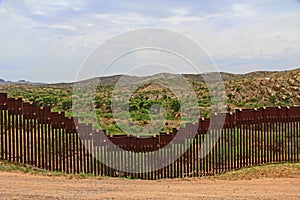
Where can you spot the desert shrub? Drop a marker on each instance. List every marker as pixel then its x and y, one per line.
pixel 66 104
pixel 272 99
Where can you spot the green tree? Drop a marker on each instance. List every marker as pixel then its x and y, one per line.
pixel 66 104
pixel 175 105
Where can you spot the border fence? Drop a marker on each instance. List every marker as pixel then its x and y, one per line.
pixel 34 135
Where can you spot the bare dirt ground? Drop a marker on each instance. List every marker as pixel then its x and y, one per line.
pixel 14 185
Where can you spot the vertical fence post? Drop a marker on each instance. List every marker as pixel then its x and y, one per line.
pixel 3 108
pixel 35 135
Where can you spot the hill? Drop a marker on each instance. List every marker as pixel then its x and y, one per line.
pixel 251 90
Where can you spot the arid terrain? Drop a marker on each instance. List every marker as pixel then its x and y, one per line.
pixel 273 181
pixel 28 186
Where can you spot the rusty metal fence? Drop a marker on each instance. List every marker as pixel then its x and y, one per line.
pixel 34 135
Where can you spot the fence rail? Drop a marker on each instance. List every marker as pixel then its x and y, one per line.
pixel 34 135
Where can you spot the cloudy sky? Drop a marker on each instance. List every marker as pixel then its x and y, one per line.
pixel 46 40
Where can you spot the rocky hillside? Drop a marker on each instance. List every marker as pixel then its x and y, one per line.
pixel 252 90
pixel 276 88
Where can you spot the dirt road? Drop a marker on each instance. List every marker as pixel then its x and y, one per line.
pixel 29 186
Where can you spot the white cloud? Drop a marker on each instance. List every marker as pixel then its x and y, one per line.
pixel 59 34
pixel 53 6
pixel 178 19
pixel 242 10
pixel 269 37
pixel 180 11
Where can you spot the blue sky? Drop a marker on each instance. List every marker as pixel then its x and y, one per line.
pixel 47 41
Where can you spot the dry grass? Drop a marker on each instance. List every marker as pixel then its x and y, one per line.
pixel 7 166
pixel 279 170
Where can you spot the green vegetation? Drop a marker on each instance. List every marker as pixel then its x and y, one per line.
pixel 58 97
pixel 153 100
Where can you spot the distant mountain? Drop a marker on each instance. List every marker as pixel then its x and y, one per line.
pixel 22 81
pixel 112 80
pixel 211 77
pixel 2 81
